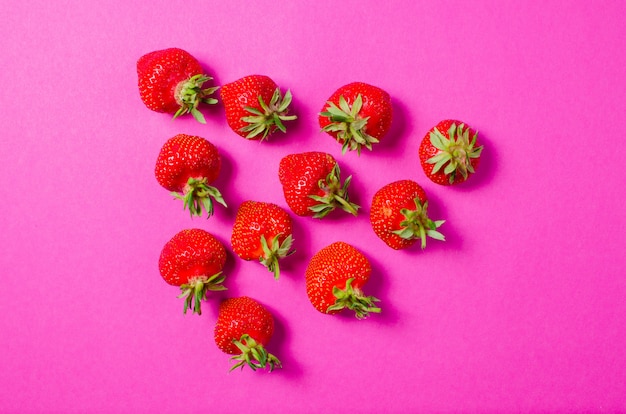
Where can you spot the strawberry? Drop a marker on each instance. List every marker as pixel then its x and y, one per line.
pixel 254 106
pixel 186 165
pixel 357 115
pixel 193 259
pixel 450 152
pixel 399 215
pixel 334 279
pixel 171 80
pixel 262 232
pixel 243 329
pixel 312 184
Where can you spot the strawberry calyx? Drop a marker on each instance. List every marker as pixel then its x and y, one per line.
pixel 272 254
pixel 189 94
pixel 416 224
pixel 253 354
pixel 197 195
pixel 455 153
pixel 349 128
pixel 197 289
pixel 353 298
pixel 270 117
pixel 335 195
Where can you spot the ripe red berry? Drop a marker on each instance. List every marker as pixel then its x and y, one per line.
pixel 255 107
pixel 357 115
pixel 193 259
pixel 334 280
pixel 399 215
pixel 263 232
pixel 450 152
pixel 244 327
pixel 186 166
pixel 312 185
pixel 171 80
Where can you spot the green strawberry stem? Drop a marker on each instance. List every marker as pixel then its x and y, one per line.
pixel 455 152
pixel 335 195
pixel 253 354
pixel 198 288
pixel 272 254
pixel 189 94
pixel 270 118
pixel 352 298
pixel 197 195
pixel 416 224
pixel 349 127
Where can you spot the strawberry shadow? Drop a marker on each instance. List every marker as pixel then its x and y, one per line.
pixel 212 111
pixel 292 265
pixel 379 287
pixel 296 126
pixel 279 346
pixel 437 210
pixel 223 183
pixel 395 142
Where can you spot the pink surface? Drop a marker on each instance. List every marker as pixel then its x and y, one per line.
pixel 521 309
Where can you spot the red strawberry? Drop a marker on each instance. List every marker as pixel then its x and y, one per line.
pixel 171 81
pixel 334 278
pixel 450 152
pixel 243 329
pixel 399 215
pixel 262 232
pixel 255 107
pixel 312 184
pixel 193 259
pixel 186 165
pixel 357 115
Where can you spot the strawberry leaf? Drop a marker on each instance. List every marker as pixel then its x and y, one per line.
pixel 335 195
pixel 197 289
pixel 189 94
pixel 198 195
pixel 272 254
pixel 253 354
pixel 347 126
pixel 455 152
pixel 270 117
pixel 353 299
pixel 417 225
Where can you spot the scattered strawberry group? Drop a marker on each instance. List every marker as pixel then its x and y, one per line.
pixel 357 115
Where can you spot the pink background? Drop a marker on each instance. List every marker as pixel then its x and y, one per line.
pixel 521 309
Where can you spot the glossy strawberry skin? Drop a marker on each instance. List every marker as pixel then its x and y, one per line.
pixel 385 212
pixel 331 267
pixel 427 150
pixel 191 253
pixel 299 175
pixel 257 219
pixel 186 156
pixel 160 74
pixel 242 316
